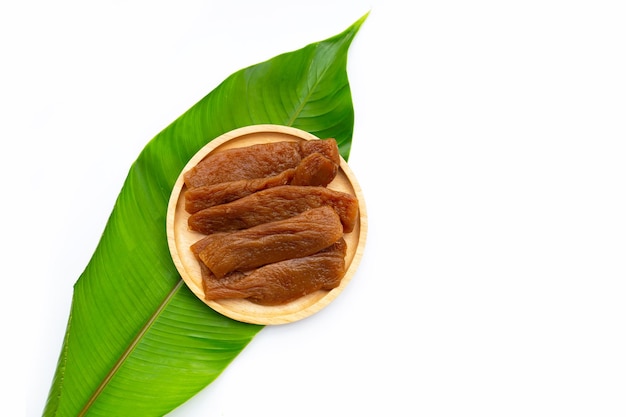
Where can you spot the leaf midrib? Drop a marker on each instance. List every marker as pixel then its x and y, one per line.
pixel 133 344
pixel 307 96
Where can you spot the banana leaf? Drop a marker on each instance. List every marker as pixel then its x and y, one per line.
pixel 138 342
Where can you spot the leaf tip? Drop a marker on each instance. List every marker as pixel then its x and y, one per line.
pixel 357 25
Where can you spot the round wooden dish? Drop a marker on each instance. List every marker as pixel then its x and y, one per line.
pixel 180 237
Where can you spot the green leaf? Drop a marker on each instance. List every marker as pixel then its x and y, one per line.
pixel 138 342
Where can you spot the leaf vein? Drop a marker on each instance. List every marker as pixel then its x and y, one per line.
pixel 131 347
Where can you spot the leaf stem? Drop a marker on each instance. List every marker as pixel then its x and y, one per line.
pixel 129 349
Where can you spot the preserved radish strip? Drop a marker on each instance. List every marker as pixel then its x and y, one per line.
pixel 314 170
pixel 257 161
pixel 297 236
pixel 281 282
pixel 277 203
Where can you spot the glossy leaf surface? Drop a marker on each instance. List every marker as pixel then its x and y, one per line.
pixel 138 342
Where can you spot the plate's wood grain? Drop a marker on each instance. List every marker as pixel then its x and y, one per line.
pixel 180 238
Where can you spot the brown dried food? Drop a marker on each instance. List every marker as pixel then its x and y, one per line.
pixel 314 170
pixel 269 305
pixel 297 236
pixel 326 147
pixel 200 198
pixel 257 161
pixel 274 204
pixel 281 282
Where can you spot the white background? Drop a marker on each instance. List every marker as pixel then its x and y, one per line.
pixel 489 142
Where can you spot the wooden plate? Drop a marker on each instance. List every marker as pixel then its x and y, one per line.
pixel 180 237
